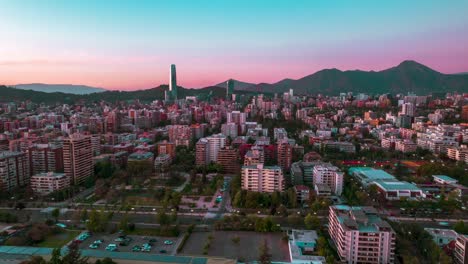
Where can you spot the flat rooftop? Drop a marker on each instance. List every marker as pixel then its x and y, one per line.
pixel 370 174
pixel 397 185
pixel 444 178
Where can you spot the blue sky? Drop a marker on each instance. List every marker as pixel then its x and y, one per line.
pixel 93 42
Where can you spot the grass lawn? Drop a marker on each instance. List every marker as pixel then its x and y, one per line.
pixel 59 240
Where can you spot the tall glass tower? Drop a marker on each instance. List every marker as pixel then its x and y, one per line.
pixel 229 88
pixel 173 82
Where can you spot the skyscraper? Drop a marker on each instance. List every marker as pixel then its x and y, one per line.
pixel 173 82
pixel 229 88
pixel 78 158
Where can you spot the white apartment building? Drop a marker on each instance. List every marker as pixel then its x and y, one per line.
pixel 329 175
pixel 406 146
pixel 360 235
pixel 260 178
pixel 48 182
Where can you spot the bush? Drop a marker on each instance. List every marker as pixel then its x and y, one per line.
pixel 8 217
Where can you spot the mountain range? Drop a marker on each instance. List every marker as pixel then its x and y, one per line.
pixel 408 76
pixel 61 88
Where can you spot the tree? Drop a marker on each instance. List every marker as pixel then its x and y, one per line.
pixel 311 222
pixel 55 257
pixel 95 223
pixel 265 256
pixel 460 228
pixel 74 255
pixel 123 224
pixel 55 214
pixel 105 261
pixel 162 218
pixel 34 260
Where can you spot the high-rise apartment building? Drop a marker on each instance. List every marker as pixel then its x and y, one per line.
pixel 228 158
pixel 180 134
pixel 360 235
pixel 14 170
pixel 78 158
pixel 45 158
pixel 207 149
pixel 284 154
pixel 408 109
pixel 260 178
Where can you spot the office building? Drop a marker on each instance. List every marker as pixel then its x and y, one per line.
pixel 229 89
pixel 173 82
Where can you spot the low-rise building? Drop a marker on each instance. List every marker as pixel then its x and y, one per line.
pixel 394 190
pixel 329 175
pixel 302 193
pixel 49 182
pixel 442 237
pixel 302 246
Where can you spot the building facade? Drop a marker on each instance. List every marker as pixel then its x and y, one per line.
pixel 78 158
pixel 360 235
pixel 260 178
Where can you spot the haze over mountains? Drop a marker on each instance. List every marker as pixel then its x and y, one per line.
pixel 408 76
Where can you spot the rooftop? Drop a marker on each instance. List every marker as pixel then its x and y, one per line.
pixel 444 178
pixel 50 174
pixel 397 185
pixel 371 173
pixel 141 156
pixel 363 219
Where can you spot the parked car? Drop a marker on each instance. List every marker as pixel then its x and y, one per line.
pixel 168 242
pixel 94 246
pixel 136 248
pixel 111 247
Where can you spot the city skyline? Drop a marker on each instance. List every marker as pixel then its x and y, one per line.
pixel 80 42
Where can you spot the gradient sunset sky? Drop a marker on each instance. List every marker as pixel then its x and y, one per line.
pixel 130 44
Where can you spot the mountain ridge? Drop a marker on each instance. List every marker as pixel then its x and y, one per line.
pixel 63 88
pixel 406 76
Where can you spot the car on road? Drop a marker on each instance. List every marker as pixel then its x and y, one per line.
pixel 126 241
pixel 168 242
pixel 136 248
pixel 111 247
pixel 146 247
pixel 94 246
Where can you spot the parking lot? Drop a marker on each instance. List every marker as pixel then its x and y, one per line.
pixel 158 243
